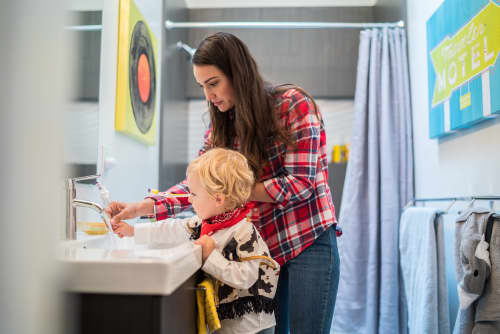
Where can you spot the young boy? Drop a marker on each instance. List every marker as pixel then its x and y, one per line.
pixel 234 254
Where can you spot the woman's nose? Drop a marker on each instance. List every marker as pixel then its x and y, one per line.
pixel 209 96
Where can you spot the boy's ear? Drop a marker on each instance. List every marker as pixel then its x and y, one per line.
pixel 220 199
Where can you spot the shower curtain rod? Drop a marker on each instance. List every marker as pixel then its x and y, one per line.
pixel 90 27
pixel 260 25
pixel 282 25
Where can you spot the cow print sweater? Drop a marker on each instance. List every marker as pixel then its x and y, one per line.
pixel 245 277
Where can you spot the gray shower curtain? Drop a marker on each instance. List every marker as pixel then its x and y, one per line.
pixel 379 182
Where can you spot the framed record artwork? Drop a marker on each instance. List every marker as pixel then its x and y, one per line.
pixel 136 79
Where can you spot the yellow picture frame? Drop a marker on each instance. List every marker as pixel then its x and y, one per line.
pixel 137 76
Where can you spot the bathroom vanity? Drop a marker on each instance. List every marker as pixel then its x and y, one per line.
pixel 115 286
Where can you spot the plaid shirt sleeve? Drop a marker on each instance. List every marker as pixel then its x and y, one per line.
pixel 296 180
pixel 167 206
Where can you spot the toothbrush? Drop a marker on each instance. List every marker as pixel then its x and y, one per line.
pixel 177 195
pixel 106 201
pixel 155 192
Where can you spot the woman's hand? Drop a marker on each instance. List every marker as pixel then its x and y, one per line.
pixel 123 229
pixel 119 211
pixel 207 245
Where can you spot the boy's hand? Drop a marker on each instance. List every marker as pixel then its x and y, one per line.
pixel 118 211
pixel 207 245
pixel 123 229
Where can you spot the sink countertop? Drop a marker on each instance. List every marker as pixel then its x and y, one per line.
pixel 107 264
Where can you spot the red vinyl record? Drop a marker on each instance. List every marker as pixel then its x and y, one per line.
pixel 142 77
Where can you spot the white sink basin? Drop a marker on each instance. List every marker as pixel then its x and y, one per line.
pixel 107 264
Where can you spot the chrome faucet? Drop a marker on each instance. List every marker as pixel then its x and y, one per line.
pixel 72 203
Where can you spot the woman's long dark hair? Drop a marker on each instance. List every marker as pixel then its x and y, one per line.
pixel 255 121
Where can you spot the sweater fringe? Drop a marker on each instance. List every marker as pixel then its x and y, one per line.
pixel 244 305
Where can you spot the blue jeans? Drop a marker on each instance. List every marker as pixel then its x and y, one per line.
pixel 307 288
pixel 269 330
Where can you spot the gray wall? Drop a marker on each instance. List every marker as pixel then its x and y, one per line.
pixel 323 61
pixel 173 118
pixel 390 10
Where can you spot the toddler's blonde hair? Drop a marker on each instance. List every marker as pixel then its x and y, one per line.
pixel 225 172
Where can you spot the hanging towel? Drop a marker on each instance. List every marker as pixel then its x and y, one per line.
pixel 449 221
pixel 421 247
pixel 207 310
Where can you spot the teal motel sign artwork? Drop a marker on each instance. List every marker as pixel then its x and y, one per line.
pixel 463 46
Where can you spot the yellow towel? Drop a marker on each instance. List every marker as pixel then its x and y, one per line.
pixel 207 311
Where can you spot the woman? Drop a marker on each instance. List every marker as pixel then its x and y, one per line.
pixel 280 132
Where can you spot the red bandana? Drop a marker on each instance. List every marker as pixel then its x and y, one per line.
pixel 224 220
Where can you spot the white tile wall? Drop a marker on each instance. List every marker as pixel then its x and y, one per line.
pixel 81 133
pixel 337 115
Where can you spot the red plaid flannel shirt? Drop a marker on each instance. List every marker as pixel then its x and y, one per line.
pixel 295 178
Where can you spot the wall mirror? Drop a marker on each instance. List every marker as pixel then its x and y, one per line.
pixel 82 115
